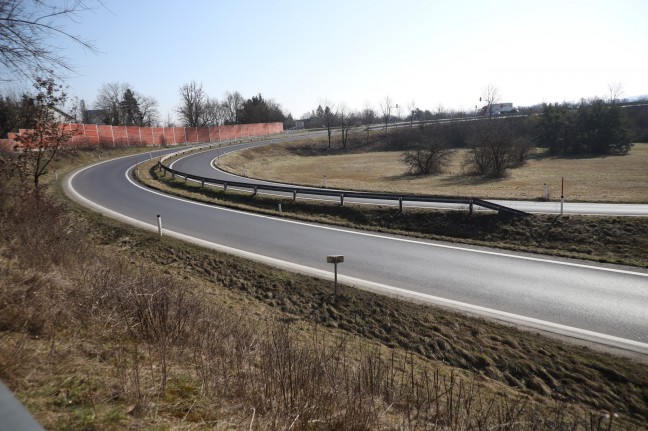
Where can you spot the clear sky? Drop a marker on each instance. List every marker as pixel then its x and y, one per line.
pixel 357 52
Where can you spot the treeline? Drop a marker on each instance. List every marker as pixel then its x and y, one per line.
pixel 119 104
pixel 595 127
pixel 498 144
pixel 198 109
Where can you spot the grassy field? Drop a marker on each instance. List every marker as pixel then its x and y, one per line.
pixel 599 179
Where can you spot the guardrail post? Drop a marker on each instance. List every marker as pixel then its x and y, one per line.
pixel 280 212
pixel 202 183
pixel 185 179
pixel 173 175
pixel 255 191
pixel 225 187
pixel 294 195
pixel 470 207
pixel 342 200
pixel 400 204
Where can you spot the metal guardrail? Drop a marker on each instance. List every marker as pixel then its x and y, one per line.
pixel 342 194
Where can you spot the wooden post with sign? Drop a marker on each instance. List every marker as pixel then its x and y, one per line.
pixel 335 259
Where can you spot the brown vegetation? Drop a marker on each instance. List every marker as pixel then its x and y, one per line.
pixel 600 179
pixel 106 327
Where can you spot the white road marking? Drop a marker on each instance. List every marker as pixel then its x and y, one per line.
pixel 375 235
pixel 610 340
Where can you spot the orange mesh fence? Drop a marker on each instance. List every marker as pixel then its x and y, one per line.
pixel 102 135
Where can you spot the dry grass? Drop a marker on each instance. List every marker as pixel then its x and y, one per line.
pixel 137 332
pixel 596 179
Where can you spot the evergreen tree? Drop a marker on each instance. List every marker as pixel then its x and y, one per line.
pixel 130 110
pixel 595 127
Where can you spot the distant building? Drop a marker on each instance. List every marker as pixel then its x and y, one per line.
pixel 299 124
pixel 497 109
pixel 62 117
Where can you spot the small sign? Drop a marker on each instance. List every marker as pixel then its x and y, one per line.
pixel 334 259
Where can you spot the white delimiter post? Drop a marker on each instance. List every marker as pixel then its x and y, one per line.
pixel 562 196
pixel 159 218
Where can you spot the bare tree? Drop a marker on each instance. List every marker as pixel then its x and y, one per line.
pixel 328 118
pixel 193 104
pixel 616 91
pixel 214 113
pixel 118 101
pixel 494 150
pixel 346 119
pixel 368 117
pixel 432 154
pixel 39 145
pixel 233 102
pixel 27 28
pixel 386 109
pixel 108 101
pixel 490 96
pixel 411 107
pixel 149 110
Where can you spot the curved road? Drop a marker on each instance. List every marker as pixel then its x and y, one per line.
pixel 603 304
pixel 200 164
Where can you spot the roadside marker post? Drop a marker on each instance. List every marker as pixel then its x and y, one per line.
pixel 159 220
pixel 562 196
pixel 335 259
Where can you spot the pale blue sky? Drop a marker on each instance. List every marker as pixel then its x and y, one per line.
pixel 432 52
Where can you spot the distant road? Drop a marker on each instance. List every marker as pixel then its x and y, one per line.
pixel 600 303
pixel 200 164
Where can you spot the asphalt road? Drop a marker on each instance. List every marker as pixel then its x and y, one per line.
pixel 603 304
pixel 200 164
